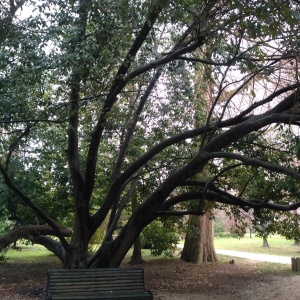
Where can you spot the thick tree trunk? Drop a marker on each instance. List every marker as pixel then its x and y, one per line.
pixel 136 257
pixel 111 254
pixel 296 242
pixel 77 253
pixel 199 242
pixel 191 244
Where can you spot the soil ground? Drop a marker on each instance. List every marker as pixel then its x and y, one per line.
pixel 172 279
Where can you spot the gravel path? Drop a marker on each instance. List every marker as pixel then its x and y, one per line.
pixel 255 256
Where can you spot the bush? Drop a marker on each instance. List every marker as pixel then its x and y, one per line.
pixel 3 228
pixel 160 239
pixel 3 257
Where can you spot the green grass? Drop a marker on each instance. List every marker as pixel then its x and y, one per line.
pixel 38 253
pixel 29 253
pixel 278 245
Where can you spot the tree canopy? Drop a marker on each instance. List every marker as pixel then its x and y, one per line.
pixel 180 105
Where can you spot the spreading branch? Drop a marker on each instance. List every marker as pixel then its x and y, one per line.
pixel 27 231
pixel 38 212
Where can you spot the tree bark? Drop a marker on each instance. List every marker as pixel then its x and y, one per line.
pixel 263 228
pixel 199 242
pixel 265 241
pixel 111 254
pixel 77 252
pixel 136 258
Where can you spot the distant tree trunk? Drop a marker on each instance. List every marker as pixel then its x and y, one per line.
pixel 265 241
pixel 296 242
pixel 199 241
pixel 136 257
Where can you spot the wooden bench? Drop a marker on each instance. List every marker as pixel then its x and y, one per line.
pixel 111 283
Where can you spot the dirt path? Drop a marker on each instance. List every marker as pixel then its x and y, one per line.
pixel 245 280
pixel 254 256
pixel 282 288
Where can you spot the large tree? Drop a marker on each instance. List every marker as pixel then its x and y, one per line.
pixel 199 240
pixel 105 91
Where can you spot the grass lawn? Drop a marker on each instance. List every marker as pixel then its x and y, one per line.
pixel 29 253
pixel 278 245
pixel 38 256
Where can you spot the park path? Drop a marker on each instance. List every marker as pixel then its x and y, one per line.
pixel 256 256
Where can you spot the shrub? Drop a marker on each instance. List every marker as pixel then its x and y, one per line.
pixel 160 239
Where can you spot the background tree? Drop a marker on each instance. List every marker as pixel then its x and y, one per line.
pixel 199 240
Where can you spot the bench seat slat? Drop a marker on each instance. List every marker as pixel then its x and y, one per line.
pixel 146 295
pixel 94 289
pixel 97 280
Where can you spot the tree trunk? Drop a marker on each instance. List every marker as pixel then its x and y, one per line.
pixel 191 244
pixel 296 242
pixel 111 254
pixel 265 241
pixel 136 258
pixel 77 252
pixel 199 241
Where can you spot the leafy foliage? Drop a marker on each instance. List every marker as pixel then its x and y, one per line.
pixel 181 106
pixel 160 239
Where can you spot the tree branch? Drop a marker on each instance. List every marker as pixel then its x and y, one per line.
pixel 15 6
pixel 220 196
pixel 50 244
pixel 30 230
pixel 115 89
pixel 16 142
pixel 256 162
pixel 58 231
pixel 243 126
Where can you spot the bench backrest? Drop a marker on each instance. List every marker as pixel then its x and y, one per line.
pixel 92 282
